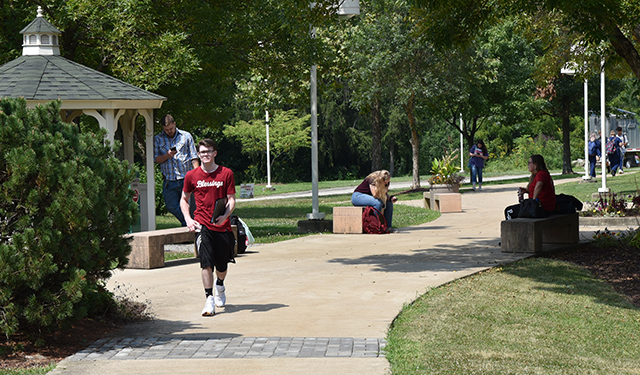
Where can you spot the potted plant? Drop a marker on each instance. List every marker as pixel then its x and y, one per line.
pixel 444 176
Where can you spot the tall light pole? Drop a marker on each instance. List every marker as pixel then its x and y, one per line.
pixel 586 131
pixel 266 115
pixel 346 9
pixel 461 146
pixel 603 138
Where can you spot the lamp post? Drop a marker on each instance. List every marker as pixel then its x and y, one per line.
pixel 586 131
pixel 603 152
pixel 266 115
pixel 346 10
pixel 461 146
pixel 569 70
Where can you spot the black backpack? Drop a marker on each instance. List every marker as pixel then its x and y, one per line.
pixel 242 235
pixel 567 204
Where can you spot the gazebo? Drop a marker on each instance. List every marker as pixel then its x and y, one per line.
pixel 41 75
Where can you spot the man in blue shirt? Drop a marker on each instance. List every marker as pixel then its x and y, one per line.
pixel 175 151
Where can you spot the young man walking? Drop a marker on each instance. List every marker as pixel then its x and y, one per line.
pixel 211 183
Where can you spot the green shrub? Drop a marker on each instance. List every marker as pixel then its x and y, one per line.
pixel 524 147
pixel 65 202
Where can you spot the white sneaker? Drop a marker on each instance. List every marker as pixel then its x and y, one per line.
pixel 209 307
pixel 220 298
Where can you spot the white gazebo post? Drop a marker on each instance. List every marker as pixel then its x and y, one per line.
pixel 346 10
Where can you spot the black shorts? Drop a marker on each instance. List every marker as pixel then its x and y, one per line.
pixel 214 248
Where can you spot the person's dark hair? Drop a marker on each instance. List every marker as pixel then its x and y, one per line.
pixel 619 129
pixel 167 120
pixel 483 147
pixel 209 143
pixel 539 161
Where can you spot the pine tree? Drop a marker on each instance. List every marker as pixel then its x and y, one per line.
pixel 65 204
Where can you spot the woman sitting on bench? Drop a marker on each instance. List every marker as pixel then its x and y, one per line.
pixel 373 191
pixel 540 188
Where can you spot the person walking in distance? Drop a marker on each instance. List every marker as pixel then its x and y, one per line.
pixel 175 151
pixel 477 156
pixel 211 184
pixel 624 143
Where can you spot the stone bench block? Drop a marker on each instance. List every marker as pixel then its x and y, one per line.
pixel 448 202
pixel 524 235
pixel 147 248
pixel 347 219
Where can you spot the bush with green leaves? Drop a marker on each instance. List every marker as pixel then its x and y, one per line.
pixel 65 203
pixel 524 147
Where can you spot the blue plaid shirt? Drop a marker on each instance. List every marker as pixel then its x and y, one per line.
pixel 176 167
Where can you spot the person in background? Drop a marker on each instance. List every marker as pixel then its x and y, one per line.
pixel 624 143
pixel 614 156
pixel 478 154
pixel 175 151
pixel 373 191
pixel 594 153
pixel 540 188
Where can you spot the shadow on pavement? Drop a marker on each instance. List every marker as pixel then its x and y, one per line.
pixel 440 258
pixel 254 308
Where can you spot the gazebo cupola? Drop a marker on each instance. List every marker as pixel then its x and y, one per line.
pixel 40 37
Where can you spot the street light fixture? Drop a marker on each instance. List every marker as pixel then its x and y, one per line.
pixel 346 9
pixel 569 70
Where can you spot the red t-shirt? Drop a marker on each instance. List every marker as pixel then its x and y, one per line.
pixel 547 196
pixel 206 189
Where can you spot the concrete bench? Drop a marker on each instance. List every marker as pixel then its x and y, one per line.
pixel 147 248
pixel 444 202
pixel 347 219
pixel 524 235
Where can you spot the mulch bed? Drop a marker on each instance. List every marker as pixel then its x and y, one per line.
pixel 21 352
pixel 617 266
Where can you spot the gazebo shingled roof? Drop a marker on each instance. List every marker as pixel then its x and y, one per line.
pixel 54 77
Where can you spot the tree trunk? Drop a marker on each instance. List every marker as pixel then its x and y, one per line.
pixel 376 137
pixel 415 142
pixel 566 139
pixel 625 48
pixel 392 147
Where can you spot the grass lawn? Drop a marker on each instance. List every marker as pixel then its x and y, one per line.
pixel 29 371
pixel 624 184
pixel 536 316
pixel 277 220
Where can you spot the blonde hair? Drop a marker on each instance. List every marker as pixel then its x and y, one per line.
pixel 379 180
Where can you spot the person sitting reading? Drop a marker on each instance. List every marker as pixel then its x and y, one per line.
pixel 373 191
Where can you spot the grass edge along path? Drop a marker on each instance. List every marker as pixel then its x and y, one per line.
pixel 534 316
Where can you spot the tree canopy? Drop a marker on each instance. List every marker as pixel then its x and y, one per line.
pixel 616 22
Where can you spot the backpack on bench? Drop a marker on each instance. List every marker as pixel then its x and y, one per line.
pixel 373 221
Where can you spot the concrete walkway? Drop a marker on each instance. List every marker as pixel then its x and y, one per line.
pixel 321 304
